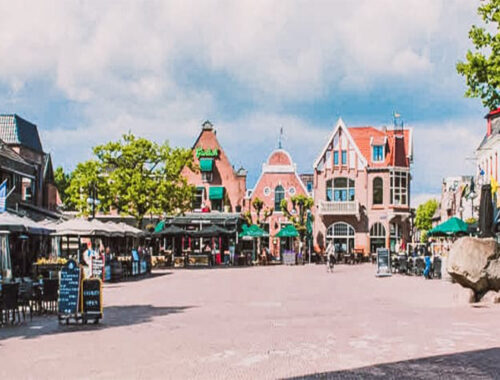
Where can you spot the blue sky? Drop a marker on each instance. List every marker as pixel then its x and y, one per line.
pixel 87 72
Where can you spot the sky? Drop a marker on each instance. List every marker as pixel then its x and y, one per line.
pixel 88 71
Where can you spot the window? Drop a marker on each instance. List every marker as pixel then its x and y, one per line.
pixel 378 191
pixel 399 188
pixel 336 157
pixel 309 186
pixel 279 194
pixel 340 190
pixel 344 157
pixel 291 190
pixel 267 191
pixel 377 231
pixel 198 198
pixel 378 153
pixel 216 204
pixel 207 176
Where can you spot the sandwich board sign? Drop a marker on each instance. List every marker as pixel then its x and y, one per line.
pixel 383 262
pixel 92 298
pixel 69 289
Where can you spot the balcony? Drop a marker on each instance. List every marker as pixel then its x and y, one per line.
pixel 339 208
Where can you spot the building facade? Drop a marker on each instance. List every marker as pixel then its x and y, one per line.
pixel 489 149
pixel 278 180
pixel 458 198
pixel 362 188
pixel 34 189
pixel 219 186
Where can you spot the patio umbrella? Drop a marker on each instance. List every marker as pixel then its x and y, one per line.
pixel 453 226
pixel 15 223
pixel 159 227
pixel 486 212
pixel 171 231
pixel 252 231
pixel 81 227
pixel 288 231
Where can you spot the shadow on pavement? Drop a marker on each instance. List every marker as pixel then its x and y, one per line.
pixel 114 316
pixel 481 364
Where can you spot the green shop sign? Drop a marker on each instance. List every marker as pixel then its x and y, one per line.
pixel 200 152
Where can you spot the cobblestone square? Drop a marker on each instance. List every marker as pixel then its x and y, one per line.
pixel 264 322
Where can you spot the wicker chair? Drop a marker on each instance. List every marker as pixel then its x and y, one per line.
pixel 49 294
pixel 10 305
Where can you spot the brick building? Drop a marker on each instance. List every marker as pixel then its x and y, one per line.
pixel 278 180
pixel 362 188
pixel 26 166
pixel 219 187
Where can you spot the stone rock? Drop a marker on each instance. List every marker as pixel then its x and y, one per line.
pixel 468 259
pixel 491 297
pixel 463 296
pixel 493 274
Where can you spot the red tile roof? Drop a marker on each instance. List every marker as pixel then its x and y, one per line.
pixel 395 144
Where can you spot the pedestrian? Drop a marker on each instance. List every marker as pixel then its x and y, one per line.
pixel 330 257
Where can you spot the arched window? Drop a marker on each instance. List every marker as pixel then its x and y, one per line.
pixel 378 191
pixel 342 236
pixel 279 195
pixel 377 231
pixel 377 237
pixel 340 189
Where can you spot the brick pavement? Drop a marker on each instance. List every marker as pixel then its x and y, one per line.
pixel 264 322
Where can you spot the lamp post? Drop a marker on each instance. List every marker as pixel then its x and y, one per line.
pixel 92 199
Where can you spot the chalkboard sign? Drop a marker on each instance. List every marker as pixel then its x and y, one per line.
pixel 97 266
pixel 69 288
pixel 92 296
pixel 383 262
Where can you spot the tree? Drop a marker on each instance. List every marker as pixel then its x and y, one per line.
pixel 62 181
pixel 87 181
pixel 258 206
pixel 482 66
pixel 425 212
pixel 301 204
pixel 145 177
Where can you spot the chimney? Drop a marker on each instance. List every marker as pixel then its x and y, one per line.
pixel 488 127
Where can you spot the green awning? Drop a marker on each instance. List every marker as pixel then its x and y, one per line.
pixel 252 231
pixel 206 164
pixel 452 226
pixel 159 226
pixel 288 231
pixel 216 192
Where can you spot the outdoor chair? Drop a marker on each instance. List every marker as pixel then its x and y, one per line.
pixel 49 294
pixel 403 264
pixel 26 298
pixel 410 266
pixel 436 267
pixel 9 302
pixel 419 266
pixel 394 263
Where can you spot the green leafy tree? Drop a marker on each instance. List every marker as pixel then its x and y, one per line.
pixel 62 181
pixel 481 68
pixel 425 211
pixel 145 177
pixel 301 204
pixel 87 181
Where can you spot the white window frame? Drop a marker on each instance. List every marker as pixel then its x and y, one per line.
pixel 207 177
pixel 399 191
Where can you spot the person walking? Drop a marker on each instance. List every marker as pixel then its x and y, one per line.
pixel 330 258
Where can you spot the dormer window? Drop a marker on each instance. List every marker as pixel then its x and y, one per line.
pixel 378 153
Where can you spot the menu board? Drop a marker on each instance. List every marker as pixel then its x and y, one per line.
pixel 92 296
pixel 383 262
pixel 69 288
pixel 97 266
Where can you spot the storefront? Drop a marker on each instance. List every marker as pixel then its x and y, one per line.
pixel 200 239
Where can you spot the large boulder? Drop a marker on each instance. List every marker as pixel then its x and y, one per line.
pixel 493 274
pixel 467 262
pixel 491 297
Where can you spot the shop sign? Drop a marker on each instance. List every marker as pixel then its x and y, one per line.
pixel 383 262
pixel 92 297
pixel 200 152
pixel 69 288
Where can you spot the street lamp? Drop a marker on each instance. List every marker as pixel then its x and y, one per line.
pixel 92 199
